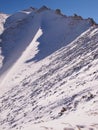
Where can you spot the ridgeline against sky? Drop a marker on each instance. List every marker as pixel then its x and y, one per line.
pixel 85 8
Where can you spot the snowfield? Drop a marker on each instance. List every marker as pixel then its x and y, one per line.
pixel 49 72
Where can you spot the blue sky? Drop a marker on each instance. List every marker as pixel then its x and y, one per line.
pixel 85 8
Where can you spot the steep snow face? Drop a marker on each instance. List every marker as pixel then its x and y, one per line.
pixel 50 72
pixel 16 38
pixel 32 48
pixel 21 28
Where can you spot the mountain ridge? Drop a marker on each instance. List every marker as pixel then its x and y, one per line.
pixel 19 16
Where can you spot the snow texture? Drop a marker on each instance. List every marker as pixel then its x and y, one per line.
pixel 49 71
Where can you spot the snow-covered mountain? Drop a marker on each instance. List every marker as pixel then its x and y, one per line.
pixel 48 71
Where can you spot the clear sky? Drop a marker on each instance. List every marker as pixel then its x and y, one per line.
pixel 85 8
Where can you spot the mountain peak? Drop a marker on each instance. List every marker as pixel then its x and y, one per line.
pixel 43 8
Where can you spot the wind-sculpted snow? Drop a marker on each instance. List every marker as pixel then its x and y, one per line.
pixel 15 40
pixel 53 76
pixel 58 31
pixel 21 28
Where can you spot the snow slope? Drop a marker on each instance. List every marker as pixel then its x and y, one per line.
pixel 49 72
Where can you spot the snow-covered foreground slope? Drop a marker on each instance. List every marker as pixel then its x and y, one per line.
pixel 49 73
